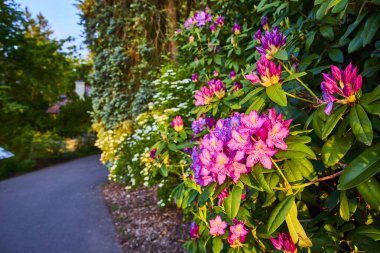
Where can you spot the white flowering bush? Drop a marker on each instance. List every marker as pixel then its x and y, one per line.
pixel 136 164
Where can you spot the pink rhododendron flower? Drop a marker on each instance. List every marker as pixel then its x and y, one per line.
pixel 268 73
pixel 238 143
pixel 217 87
pixel 194 230
pixel 238 232
pixel 217 226
pixel 177 124
pixel 344 83
pixel 215 73
pixel 205 95
pixel 191 39
pixel 284 243
pixel 271 42
pixel 222 196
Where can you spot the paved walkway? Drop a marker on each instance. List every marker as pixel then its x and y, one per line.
pixel 57 210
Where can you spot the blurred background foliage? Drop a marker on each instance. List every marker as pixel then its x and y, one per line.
pixel 35 72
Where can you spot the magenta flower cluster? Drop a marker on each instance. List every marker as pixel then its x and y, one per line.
pixel 270 42
pixel 201 123
pixel 284 243
pixel 344 83
pixel 238 231
pixel 205 95
pixel 236 29
pixel 237 235
pixel 268 73
pixel 238 143
pixel 202 18
pixel 194 230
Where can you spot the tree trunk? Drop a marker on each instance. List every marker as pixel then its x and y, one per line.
pixel 171 10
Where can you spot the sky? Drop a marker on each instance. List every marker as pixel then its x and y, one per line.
pixel 62 16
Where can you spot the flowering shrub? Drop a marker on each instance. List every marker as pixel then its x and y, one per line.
pixel 282 153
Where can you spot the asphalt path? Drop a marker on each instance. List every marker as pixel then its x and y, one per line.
pixel 59 209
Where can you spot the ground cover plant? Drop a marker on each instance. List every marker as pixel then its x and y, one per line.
pixel 280 149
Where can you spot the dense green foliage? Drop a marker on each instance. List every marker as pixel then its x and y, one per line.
pixel 34 72
pixel 323 187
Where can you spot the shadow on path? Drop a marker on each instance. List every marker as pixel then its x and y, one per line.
pixel 57 209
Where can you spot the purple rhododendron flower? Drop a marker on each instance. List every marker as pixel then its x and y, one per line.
pixel 344 83
pixel 217 226
pixel 194 230
pixel 269 73
pixel 178 31
pixel 284 243
pixel 152 153
pixel 194 77
pixel 177 124
pixel 238 143
pixel 212 28
pixel 264 23
pixel 258 36
pixel 189 22
pixel 271 42
pixel 210 122
pixel 198 125
pixel 238 232
pixel 219 21
pixel 236 29
pixel 232 75
pixel 237 86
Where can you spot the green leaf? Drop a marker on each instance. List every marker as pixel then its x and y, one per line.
pixel 327 32
pixel 369 231
pixel 321 11
pixel 361 168
pixel 332 4
pixel 276 94
pixel 172 147
pixel 335 148
pixel 356 42
pixel 164 171
pixel 296 151
pixel 232 202
pixel 332 120
pixel 205 195
pixel 304 166
pixel 257 104
pixel 217 244
pixel 309 40
pixel 295 228
pixel 250 95
pixel 292 174
pixel 279 214
pixel 294 76
pixel 370 191
pixel 258 174
pixel 370 28
pixel 344 210
pixel 361 125
pixel 340 7
pixel 336 55
pixel 352 27
pixel 281 55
